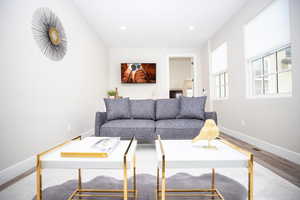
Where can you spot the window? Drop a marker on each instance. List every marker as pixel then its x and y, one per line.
pixel 271 73
pixel 268 51
pixel 219 72
pixel 221 85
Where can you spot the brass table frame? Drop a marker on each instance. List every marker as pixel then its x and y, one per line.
pixel 86 193
pixel 162 192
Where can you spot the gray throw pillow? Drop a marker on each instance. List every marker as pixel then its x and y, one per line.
pixel 167 108
pixel 117 108
pixel 143 109
pixel 192 107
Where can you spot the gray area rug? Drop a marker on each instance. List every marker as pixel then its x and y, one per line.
pixel 146 185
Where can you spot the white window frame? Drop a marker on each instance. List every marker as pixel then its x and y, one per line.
pixel 217 75
pixel 250 86
pixel 220 86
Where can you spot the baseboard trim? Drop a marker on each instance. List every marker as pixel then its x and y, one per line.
pixel 277 150
pixel 88 133
pixel 10 173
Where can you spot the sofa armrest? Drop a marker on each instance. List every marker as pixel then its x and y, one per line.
pixel 100 120
pixel 211 115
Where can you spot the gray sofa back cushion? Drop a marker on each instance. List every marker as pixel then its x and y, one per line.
pixel 167 108
pixel 117 108
pixel 142 109
pixel 192 107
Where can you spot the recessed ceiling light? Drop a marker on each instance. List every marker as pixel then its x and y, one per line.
pixel 191 28
pixel 123 27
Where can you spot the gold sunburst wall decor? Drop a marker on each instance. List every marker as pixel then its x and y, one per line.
pixel 49 34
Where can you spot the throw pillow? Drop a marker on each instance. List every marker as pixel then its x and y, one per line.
pixel 192 107
pixel 117 108
pixel 167 108
pixel 143 109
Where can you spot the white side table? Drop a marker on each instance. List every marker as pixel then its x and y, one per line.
pixel 123 158
pixel 182 154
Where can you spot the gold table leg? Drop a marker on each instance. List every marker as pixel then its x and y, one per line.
pixel 157 184
pixel 79 179
pixel 79 182
pixel 73 195
pixel 163 181
pixel 250 178
pixel 213 187
pixel 125 181
pixel 134 177
pixel 38 179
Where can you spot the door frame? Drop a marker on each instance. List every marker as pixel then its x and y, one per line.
pixel 196 81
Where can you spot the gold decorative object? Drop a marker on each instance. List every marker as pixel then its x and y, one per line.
pixel 117 94
pixel 54 35
pixel 209 132
pixel 49 34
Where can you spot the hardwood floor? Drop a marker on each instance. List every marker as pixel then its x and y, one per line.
pixel 280 166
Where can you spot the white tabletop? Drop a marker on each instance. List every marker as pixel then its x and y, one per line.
pixel 113 161
pixel 184 154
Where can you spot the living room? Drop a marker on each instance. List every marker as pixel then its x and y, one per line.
pixel 69 67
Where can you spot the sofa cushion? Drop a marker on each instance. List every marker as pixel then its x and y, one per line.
pixel 192 108
pixel 117 108
pixel 167 108
pixel 126 128
pixel 178 128
pixel 142 109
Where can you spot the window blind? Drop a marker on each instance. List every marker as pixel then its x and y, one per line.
pixel 268 30
pixel 219 59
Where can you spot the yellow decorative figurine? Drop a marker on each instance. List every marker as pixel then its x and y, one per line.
pixel 209 132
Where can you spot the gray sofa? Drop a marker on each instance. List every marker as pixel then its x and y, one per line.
pixel 170 118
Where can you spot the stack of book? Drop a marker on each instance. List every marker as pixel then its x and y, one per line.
pixel 91 149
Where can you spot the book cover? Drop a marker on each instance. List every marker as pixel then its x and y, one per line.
pixel 86 148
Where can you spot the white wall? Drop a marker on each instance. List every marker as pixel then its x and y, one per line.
pixel 160 56
pixel 44 102
pixel 204 65
pixel 273 120
pixel 180 70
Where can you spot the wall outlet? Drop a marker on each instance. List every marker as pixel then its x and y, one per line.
pixel 243 123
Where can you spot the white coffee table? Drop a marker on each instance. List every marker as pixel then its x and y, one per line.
pixel 123 157
pixel 183 154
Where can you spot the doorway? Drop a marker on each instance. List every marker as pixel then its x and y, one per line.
pixel 181 77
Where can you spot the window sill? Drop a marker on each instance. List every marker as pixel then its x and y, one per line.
pixel 271 96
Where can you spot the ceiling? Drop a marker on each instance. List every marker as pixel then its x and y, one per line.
pixel 157 23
